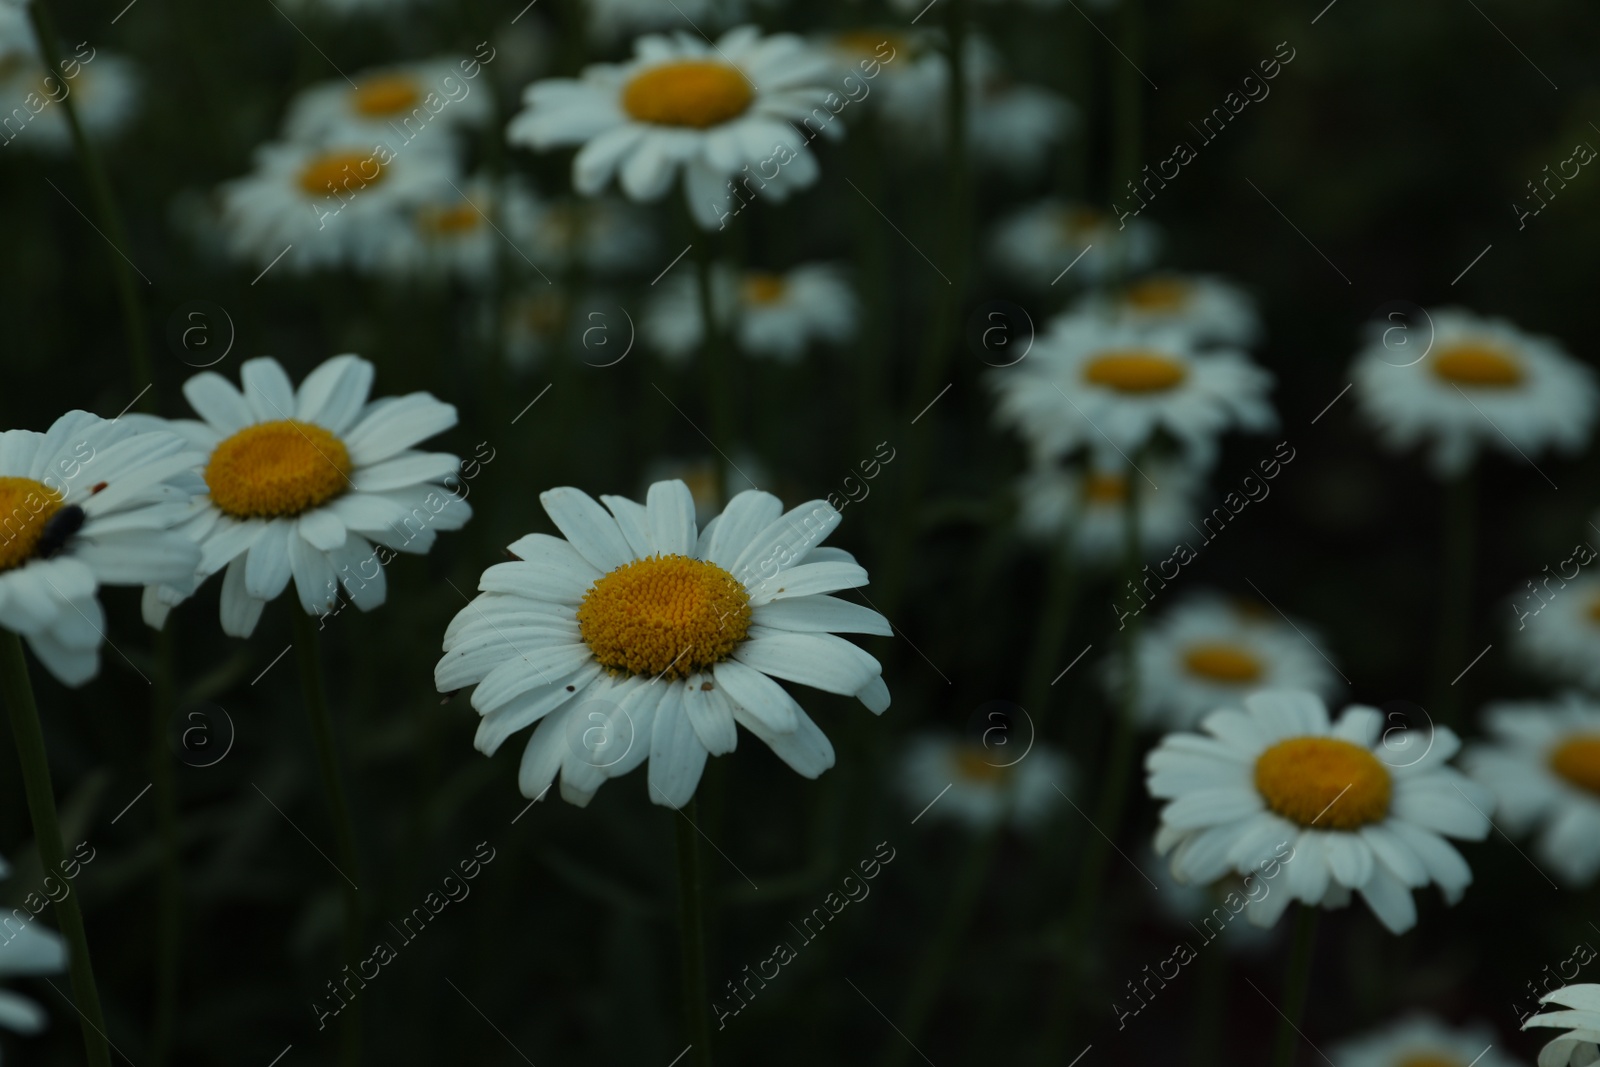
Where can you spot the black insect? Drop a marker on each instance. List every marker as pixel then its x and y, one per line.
pixel 60 526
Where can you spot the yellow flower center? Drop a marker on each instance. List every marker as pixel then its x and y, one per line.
pixel 760 288
pixel 1323 781
pixel 25 508
pixel 1076 220
pixel 665 616
pixel 1577 759
pixel 1135 370
pixel 386 96
pixel 277 468
pixel 1477 365
pixel 1105 488
pixel 693 92
pixel 1218 662
pixel 542 314
pixel 1158 295
pixel 871 42
pixel 973 764
pixel 450 221
pixel 1429 1059
pixel 340 172
pixel 1594 611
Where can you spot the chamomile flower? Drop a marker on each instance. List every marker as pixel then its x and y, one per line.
pixel 105 93
pixel 1209 652
pixel 1115 388
pixel 1577 1011
pixel 980 785
pixel 603 235
pixel 414 105
pixel 1423 1041
pixel 1277 771
pixel 87 503
pixel 1482 383
pixel 1210 310
pixel 318 484
pixel 1054 241
pixel 26 949
pixel 1558 629
pixel 452 234
pixel 667 635
pixel 1086 506
pixel 1010 126
pixel 708 111
pixel 328 206
pixel 1543 766
pixel 772 315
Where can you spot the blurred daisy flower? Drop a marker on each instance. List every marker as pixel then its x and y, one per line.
pixel 1561 636
pixel 460 232
pixel 394 105
pixel 25 950
pixel 320 485
pixel 329 206
pixel 1086 507
pixel 1277 772
pixel 1212 311
pixel 104 90
pixel 16 31
pixel 1577 1012
pixel 772 315
pixel 87 503
pixel 636 631
pixel 602 235
pixel 1482 382
pixel 1093 384
pixel 1543 766
pixel 980 786
pixel 1011 126
pixel 710 111
pixel 1422 1041
pixel 1210 652
pixel 1039 243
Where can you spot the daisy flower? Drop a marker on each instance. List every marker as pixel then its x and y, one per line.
pixel 635 630
pixel 1422 1041
pixel 334 205
pixel 603 235
pixel 1580 1045
pixel 1114 388
pixel 1561 635
pixel 1278 772
pixel 105 93
pixel 1210 310
pixel 1010 126
pixel 393 104
pixel 459 232
pixel 1087 508
pixel 775 316
pixel 979 786
pixel 1209 910
pixel 317 484
pixel 712 112
pixel 1209 652
pixel 1482 383
pixel 1039 243
pixel 27 949
pixel 1543 766
pixel 87 503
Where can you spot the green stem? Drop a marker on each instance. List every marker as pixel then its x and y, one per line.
pixel 110 219
pixel 715 364
pixel 314 689
pixel 18 692
pixel 1113 788
pixel 1054 616
pixel 692 934
pixel 1455 599
pixel 940 955
pixel 1297 984
pixel 168 892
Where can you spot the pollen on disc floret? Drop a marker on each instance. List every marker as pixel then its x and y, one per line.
pixel 666 616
